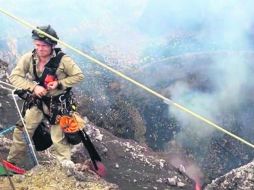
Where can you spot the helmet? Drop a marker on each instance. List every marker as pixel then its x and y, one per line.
pixel 47 29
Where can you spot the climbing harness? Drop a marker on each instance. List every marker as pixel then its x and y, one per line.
pixel 165 100
pixel 60 104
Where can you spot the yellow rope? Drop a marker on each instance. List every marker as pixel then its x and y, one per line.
pixel 166 100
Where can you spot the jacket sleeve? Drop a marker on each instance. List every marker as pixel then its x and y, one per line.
pixel 18 74
pixel 73 72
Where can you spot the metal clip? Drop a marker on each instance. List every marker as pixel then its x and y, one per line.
pixel 63 103
pixel 61 98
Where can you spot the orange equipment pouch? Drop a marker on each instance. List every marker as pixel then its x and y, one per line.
pixel 72 126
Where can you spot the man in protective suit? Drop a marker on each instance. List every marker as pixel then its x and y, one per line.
pixel 48 74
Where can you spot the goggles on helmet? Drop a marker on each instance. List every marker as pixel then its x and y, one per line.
pixel 36 35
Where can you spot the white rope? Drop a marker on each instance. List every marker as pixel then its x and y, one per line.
pixel 30 144
pixel 9 85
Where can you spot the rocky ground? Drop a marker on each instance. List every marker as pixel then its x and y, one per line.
pixel 240 178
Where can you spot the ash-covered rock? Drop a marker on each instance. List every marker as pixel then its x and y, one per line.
pixel 240 178
pixel 5 143
pixel 132 165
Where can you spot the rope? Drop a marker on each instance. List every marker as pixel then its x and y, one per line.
pixel 166 100
pixel 30 144
pixel 10 87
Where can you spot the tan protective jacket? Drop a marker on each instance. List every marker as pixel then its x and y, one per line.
pixel 68 73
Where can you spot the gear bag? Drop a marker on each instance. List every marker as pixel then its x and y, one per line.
pixel 71 126
pixel 41 138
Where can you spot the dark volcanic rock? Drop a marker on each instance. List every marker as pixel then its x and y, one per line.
pixel 131 165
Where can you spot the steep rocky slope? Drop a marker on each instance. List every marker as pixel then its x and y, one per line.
pixel 239 178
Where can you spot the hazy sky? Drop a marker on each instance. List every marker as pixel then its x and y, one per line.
pixel 218 24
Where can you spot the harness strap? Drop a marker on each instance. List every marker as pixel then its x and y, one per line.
pixel 50 70
pixel 59 97
pixel 58 105
pixel 50 67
